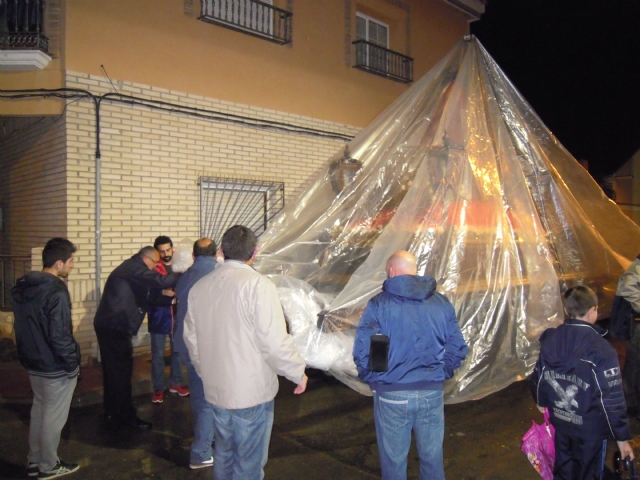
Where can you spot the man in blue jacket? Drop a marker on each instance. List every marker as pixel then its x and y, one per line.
pixel 577 377
pixel 204 262
pixel 425 347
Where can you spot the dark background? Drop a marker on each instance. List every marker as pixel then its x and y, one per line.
pixel 577 64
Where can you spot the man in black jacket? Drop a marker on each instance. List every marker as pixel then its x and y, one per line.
pixel 124 304
pixel 47 349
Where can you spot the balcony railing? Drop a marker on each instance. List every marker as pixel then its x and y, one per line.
pixel 22 25
pixel 251 17
pixel 12 267
pixel 382 61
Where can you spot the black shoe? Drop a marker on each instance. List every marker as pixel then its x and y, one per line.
pixel 137 423
pixel 59 470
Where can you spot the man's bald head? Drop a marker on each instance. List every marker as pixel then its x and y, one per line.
pixel 401 263
pixel 204 247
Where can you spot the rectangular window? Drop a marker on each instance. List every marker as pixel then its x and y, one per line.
pixel 377 33
pixel 372 52
pixel 371 30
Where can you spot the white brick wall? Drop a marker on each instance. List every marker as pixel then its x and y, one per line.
pixel 150 165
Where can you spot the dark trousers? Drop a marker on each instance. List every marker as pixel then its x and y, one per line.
pixel 116 352
pixel 578 458
pixel 631 372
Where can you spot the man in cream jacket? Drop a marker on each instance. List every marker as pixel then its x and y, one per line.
pixel 237 341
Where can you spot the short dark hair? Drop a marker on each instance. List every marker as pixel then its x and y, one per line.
pixel 147 251
pixel 208 251
pixel 162 240
pixel 239 243
pixel 579 300
pixel 57 248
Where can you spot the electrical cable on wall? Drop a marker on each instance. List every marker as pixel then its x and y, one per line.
pixel 174 108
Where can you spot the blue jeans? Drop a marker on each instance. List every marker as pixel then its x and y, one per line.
pixel 242 442
pixel 395 415
pixel 158 343
pixel 202 416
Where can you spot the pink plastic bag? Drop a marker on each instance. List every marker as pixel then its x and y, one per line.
pixel 537 444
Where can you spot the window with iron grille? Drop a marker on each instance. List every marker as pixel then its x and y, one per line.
pixel 22 25
pixel 254 17
pixel 372 52
pixel 225 202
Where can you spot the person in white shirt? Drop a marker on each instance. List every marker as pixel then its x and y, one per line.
pixel 235 332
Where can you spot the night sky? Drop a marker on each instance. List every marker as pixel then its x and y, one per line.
pixel 577 62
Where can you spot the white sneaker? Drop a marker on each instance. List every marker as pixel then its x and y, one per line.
pixel 205 464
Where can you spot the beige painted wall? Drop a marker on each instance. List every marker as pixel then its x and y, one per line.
pixel 627 187
pixel 154 42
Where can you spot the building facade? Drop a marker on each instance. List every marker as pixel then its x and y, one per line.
pixel 149 105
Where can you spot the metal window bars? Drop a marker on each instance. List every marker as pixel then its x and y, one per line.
pixel 249 16
pixel 22 25
pixel 225 202
pixel 382 61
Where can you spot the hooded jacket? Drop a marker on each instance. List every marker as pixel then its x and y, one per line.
pixel 425 341
pixel 577 377
pixel 125 299
pixel 44 332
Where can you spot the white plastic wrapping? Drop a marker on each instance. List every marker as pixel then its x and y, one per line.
pixel 461 172
pixel 182 256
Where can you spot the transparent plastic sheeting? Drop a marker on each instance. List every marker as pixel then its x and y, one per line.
pixel 461 172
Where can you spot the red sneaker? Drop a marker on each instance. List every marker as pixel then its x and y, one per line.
pixel 180 390
pixel 158 396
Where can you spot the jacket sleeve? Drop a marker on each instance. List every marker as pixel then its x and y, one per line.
pixel 157 299
pixel 276 344
pixel 369 326
pixel 534 383
pixel 153 279
pixel 629 285
pixel 609 381
pixel 455 348
pixel 61 341
pixel 190 339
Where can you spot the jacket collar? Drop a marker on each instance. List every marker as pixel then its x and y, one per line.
pixel 237 264
pixel 573 322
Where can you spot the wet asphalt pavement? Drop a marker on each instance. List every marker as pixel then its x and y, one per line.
pixel 326 433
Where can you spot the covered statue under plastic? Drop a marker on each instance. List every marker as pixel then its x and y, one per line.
pixel 461 172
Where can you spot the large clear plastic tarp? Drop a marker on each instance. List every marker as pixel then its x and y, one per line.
pixel 461 172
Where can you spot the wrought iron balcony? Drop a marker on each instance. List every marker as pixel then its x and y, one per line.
pixel 22 25
pixel 251 17
pixel 382 61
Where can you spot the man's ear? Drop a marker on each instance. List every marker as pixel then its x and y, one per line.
pixel 255 252
pixel 58 265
